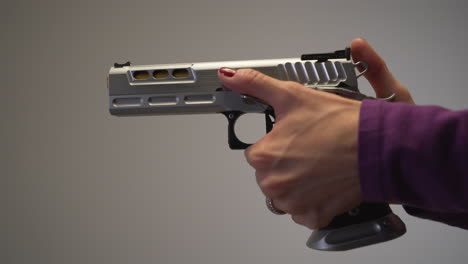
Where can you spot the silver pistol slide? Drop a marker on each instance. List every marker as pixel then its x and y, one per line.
pixel 194 88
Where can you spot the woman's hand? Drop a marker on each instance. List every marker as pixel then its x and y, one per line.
pixel 308 163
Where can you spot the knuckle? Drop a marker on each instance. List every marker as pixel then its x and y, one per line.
pixel 250 76
pixel 259 158
pixel 313 221
pixel 318 219
pixel 323 221
pixel 273 187
pixel 314 218
pixel 298 219
pixel 309 220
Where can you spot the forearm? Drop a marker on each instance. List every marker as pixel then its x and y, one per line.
pixel 414 155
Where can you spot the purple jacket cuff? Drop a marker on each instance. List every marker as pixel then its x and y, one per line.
pixel 414 155
pixel 369 151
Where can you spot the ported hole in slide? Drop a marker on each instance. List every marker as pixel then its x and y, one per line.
pixel 160 74
pixel 141 75
pixel 180 73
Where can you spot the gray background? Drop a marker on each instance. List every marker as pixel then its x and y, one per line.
pixel 85 187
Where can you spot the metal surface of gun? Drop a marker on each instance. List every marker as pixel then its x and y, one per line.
pixel 194 88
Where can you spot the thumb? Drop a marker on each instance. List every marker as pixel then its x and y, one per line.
pixel 256 84
pixel 378 75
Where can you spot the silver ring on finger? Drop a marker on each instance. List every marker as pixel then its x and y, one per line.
pixel 272 208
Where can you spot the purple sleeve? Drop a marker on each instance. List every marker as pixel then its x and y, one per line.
pixel 416 156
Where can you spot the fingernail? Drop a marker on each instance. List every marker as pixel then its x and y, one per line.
pixel 229 72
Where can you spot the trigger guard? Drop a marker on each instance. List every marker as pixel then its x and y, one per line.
pixel 233 141
pixel 232 117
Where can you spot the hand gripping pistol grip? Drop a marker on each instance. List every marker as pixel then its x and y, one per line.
pixel 367 224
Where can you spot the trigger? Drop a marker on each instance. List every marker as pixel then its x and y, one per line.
pixel 270 119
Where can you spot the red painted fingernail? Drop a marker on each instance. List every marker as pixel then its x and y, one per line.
pixel 229 72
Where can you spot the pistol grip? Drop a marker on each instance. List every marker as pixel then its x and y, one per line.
pixel 365 225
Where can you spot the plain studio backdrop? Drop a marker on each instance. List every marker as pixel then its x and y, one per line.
pixel 83 186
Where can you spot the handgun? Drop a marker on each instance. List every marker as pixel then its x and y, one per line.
pixel 194 88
